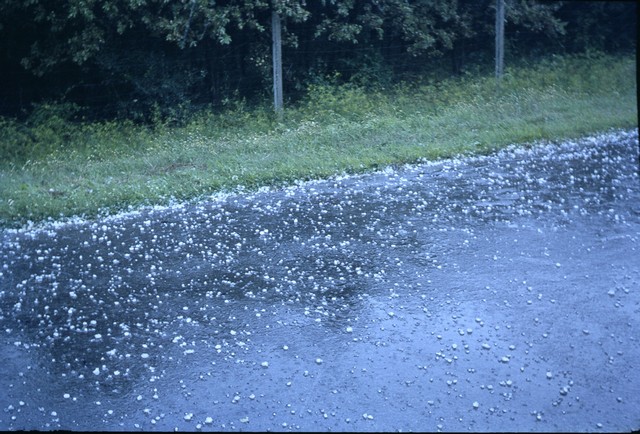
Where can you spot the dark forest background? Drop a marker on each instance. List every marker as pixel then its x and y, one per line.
pixel 139 59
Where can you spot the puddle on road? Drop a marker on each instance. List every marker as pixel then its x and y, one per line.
pixel 489 293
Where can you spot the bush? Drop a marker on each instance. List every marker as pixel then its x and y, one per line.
pixel 48 128
pixel 335 102
pixel 15 141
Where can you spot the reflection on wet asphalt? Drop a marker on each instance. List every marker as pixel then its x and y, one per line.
pixel 490 293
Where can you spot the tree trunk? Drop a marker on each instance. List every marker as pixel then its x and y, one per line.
pixel 499 39
pixel 277 62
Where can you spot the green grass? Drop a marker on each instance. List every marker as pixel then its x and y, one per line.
pixel 51 167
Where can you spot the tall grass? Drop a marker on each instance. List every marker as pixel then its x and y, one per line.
pixel 52 167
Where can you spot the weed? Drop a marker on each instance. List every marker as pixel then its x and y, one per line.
pixel 56 165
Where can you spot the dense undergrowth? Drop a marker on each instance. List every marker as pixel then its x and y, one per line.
pixel 55 165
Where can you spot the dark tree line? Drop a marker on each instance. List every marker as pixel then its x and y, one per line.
pixel 130 58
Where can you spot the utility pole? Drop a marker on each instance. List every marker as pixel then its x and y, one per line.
pixel 499 39
pixel 276 32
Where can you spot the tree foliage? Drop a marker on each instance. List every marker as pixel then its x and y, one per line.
pixel 134 58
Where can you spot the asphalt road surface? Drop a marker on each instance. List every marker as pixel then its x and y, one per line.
pixel 497 293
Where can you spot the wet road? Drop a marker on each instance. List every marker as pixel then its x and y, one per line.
pixel 496 293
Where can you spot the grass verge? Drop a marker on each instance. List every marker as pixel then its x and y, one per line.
pixel 54 168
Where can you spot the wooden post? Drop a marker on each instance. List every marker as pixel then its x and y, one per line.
pixel 276 33
pixel 499 39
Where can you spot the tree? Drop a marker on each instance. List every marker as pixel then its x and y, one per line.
pixel 132 58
